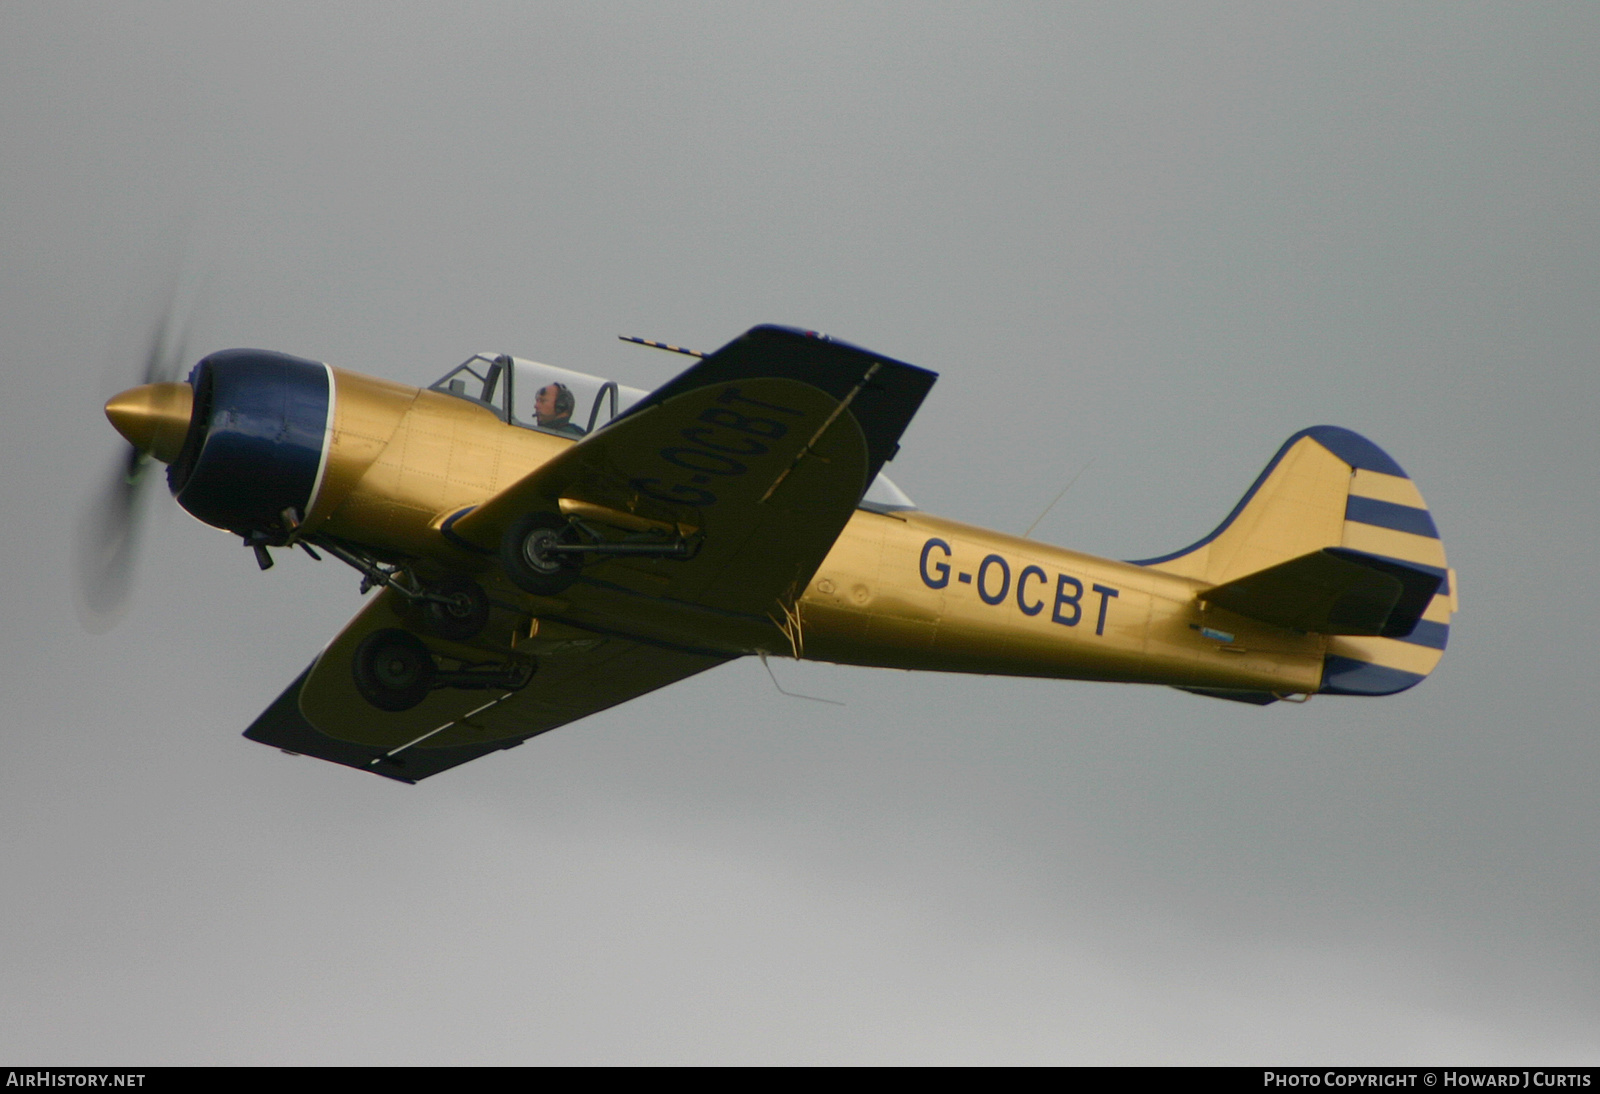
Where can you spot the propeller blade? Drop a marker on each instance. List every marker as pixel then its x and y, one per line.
pixel 106 545
pixel 165 355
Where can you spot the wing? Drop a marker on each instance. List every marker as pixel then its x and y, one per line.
pixel 323 713
pixel 759 454
pixel 751 462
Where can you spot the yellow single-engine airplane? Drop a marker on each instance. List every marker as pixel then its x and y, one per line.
pixel 549 544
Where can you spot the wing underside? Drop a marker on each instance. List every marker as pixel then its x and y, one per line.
pixel 762 451
pixel 322 713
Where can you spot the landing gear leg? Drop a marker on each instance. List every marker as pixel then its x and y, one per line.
pixel 394 671
pixel 456 610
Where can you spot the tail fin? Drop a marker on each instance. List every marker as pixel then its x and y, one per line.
pixel 1330 488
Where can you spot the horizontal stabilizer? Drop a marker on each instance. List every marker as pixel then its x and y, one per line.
pixel 1333 591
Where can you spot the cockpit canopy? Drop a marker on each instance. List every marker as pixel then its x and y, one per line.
pixel 511 386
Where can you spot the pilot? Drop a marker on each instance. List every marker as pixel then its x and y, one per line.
pixel 552 408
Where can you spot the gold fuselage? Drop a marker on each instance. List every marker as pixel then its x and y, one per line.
pixel 900 589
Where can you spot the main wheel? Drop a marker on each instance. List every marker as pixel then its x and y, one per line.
pixel 393 669
pixel 464 618
pixel 529 562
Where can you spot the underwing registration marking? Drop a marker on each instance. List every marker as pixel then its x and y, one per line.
pixel 725 436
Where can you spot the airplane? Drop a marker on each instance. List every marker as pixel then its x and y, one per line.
pixel 548 544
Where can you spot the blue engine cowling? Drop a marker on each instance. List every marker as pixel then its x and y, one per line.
pixel 257 441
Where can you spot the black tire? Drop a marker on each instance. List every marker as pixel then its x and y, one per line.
pixel 526 562
pixel 393 669
pixel 461 621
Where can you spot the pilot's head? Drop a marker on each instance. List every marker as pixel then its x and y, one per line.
pixel 553 405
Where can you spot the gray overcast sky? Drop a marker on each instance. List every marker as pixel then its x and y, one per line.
pixel 1153 240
